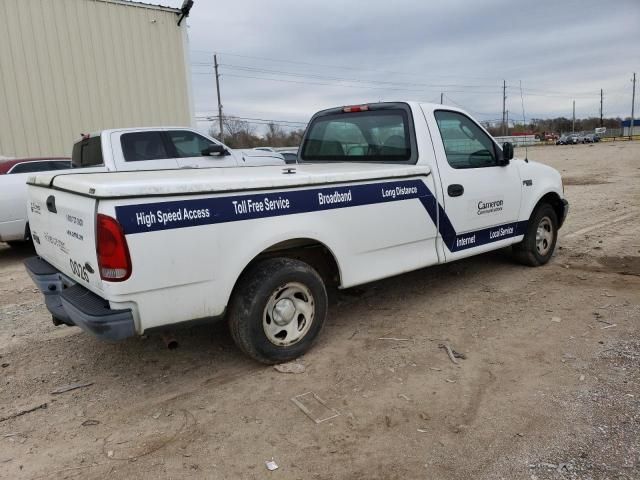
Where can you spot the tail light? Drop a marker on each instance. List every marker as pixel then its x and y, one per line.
pixel 114 261
pixel 356 108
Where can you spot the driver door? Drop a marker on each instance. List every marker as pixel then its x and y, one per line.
pixel 481 199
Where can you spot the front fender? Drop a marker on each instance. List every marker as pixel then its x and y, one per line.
pixel 538 181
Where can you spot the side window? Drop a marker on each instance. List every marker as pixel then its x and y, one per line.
pixel 188 144
pixel 29 167
pixel 141 146
pixel 466 145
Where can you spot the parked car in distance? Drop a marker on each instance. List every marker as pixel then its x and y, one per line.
pixel 290 157
pixel 573 139
pixel 569 139
pixel 591 138
pixel 161 148
pixel 13 194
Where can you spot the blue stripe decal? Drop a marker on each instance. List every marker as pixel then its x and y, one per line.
pixel 152 217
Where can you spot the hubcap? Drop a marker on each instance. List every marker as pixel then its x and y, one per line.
pixel 544 236
pixel 288 314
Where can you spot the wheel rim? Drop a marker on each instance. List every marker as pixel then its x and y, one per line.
pixel 544 236
pixel 288 314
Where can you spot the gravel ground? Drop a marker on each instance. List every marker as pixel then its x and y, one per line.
pixel 550 388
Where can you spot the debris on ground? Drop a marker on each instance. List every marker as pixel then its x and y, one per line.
pixel 314 407
pixel 271 465
pixel 556 319
pixel 23 412
pixel 71 386
pixel 88 423
pixel 452 353
pixel 290 367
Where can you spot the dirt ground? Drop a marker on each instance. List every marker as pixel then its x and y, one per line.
pixel 550 388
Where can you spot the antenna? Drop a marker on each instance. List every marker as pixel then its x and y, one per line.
pixel 524 124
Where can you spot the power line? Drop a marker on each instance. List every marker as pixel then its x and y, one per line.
pixel 467 108
pixel 265 121
pixel 340 67
pixel 342 79
pixel 352 80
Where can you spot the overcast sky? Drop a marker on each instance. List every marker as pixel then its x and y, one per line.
pixel 309 55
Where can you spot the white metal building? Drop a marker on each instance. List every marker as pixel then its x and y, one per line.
pixel 73 66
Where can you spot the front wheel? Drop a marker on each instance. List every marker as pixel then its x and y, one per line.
pixel 278 309
pixel 539 241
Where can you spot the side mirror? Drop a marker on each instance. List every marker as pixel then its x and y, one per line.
pixel 214 150
pixel 507 153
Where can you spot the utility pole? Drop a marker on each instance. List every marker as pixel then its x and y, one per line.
pixel 507 129
pixel 504 106
pixel 573 124
pixel 600 107
pixel 633 104
pixel 215 65
pixel 441 98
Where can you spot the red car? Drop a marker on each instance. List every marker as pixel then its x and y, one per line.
pixel 39 164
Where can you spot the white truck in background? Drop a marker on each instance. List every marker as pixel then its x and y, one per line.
pixel 161 148
pixel 124 149
pixel 380 189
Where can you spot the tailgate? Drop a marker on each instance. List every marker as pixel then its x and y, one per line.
pixel 63 230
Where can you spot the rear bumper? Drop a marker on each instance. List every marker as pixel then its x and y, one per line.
pixel 72 304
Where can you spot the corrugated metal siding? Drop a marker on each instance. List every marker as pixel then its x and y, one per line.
pixel 73 66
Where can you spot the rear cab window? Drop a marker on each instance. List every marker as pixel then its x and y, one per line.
pixel 87 153
pixel 380 133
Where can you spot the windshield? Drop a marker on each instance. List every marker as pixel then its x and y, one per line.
pixel 378 135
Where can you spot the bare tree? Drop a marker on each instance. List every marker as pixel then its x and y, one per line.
pixel 275 135
pixel 233 127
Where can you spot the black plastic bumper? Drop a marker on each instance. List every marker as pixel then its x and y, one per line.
pixel 72 304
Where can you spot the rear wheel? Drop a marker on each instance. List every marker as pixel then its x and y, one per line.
pixel 539 241
pixel 278 309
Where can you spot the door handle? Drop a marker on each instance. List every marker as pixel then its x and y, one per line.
pixel 455 190
pixel 51 204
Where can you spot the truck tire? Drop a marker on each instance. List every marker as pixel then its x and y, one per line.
pixel 278 308
pixel 540 239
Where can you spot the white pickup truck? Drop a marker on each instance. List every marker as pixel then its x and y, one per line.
pixel 380 189
pixel 159 148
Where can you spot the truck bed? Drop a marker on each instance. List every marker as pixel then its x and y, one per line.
pixel 151 183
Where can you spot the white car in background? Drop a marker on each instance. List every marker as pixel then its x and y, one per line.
pixel 13 194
